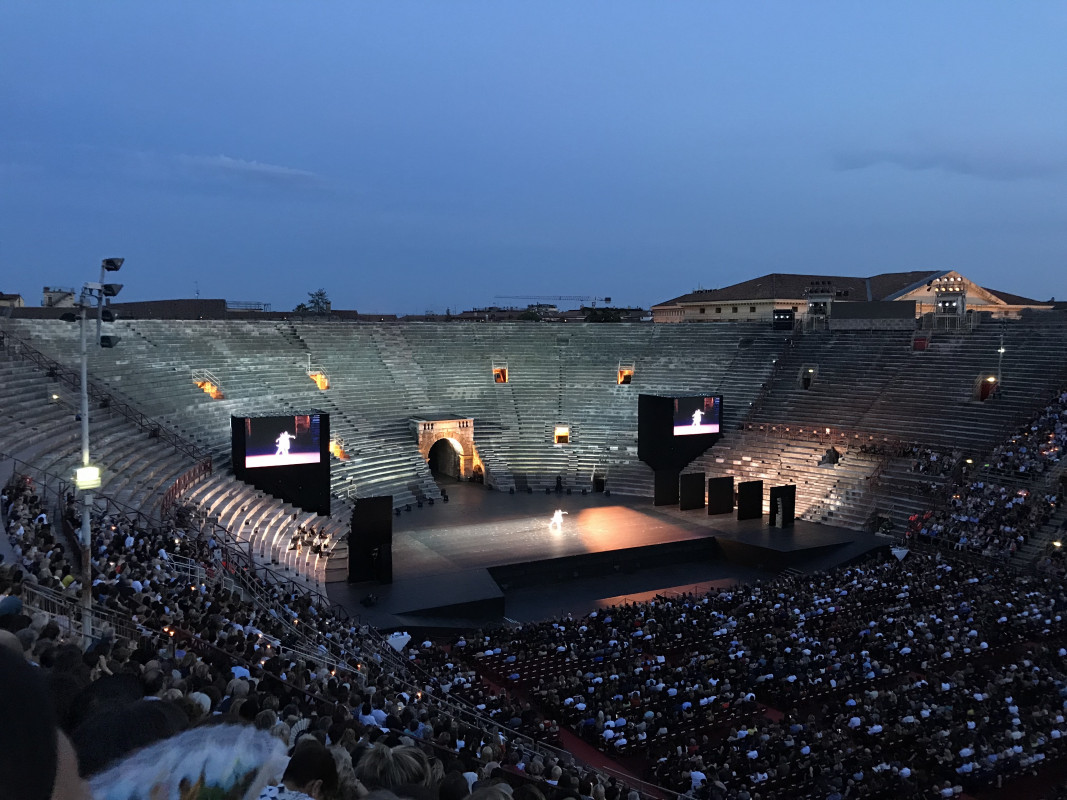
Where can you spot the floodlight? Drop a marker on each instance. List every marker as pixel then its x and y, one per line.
pixel 107 315
pixel 109 341
pixel 69 317
pixel 87 477
pixel 111 289
pixel 112 264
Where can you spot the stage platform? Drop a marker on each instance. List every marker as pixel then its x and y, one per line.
pixel 458 561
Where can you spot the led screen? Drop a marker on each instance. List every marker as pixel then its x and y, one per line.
pixel 282 441
pixel 694 416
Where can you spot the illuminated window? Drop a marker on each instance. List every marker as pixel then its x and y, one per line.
pixel 626 376
pixel 500 374
pixel 211 389
pixel 562 435
pixel 987 386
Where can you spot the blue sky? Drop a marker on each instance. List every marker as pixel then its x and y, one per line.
pixel 412 156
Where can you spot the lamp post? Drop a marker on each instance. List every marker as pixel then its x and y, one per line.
pixel 87 476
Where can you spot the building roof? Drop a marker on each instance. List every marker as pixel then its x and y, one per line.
pixel 785 285
pixel 1015 299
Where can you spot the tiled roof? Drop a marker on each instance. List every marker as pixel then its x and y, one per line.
pixel 785 285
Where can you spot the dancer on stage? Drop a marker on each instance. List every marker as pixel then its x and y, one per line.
pixel 557 521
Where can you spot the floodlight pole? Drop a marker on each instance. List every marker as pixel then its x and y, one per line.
pixel 1000 360
pixel 87 494
pixel 100 307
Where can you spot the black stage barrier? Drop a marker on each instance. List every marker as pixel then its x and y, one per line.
pixel 750 500
pixel 721 495
pixel 665 491
pixel 691 490
pixel 370 544
pixel 783 505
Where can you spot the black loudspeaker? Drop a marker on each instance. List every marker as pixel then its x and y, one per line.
pixel 665 490
pixel 750 500
pixel 691 491
pixel 721 495
pixel 370 545
pixel 598 483
pixel 783 505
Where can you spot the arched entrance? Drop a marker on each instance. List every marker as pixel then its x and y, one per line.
pixel 448 446
pixel 446 458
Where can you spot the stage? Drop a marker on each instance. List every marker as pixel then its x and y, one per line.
pixel 465 559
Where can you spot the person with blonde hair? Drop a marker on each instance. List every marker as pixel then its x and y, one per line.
pixel 384 767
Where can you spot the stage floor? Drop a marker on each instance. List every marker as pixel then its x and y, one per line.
pixel 478 528
pixel 442 554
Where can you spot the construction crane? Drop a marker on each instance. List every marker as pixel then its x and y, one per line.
pixel 554 298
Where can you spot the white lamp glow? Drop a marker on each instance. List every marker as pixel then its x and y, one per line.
pixel 87 477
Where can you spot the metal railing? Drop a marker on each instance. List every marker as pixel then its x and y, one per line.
pixel 67 612
pixel 18 347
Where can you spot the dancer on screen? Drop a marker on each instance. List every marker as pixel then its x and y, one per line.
pixel 698 416
pixel 283 443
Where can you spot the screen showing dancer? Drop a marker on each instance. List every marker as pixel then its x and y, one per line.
pixel 280 441
pixel 696 415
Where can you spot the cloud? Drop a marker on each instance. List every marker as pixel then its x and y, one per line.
pixel 237 169
pixel 987 162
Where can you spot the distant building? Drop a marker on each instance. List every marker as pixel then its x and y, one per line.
pixel 759 298
pixel 57 297
pixel 11 300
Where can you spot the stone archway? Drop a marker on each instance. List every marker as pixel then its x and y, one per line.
pixel 446 458
pixel 447 445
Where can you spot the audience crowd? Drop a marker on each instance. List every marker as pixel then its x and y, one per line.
pixel 903 675
pixel 886 677
pixel 1037 447
pixel 986 518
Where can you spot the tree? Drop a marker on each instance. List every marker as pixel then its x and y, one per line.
pixel 603 314
pixel 318 303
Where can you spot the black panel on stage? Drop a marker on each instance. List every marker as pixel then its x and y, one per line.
pixel 665 491
pixel 721 495
pixel 750 500
pixel 691 490
pixel 787 497
pixel 370 544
